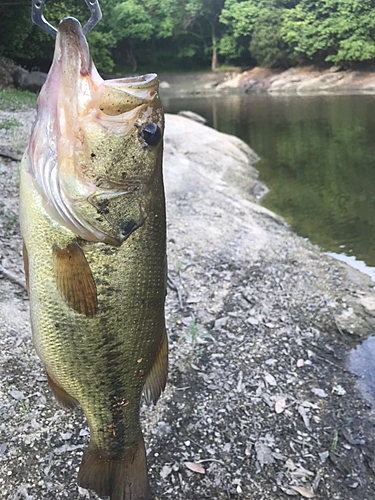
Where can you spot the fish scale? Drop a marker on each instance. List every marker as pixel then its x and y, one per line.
pixel 97 277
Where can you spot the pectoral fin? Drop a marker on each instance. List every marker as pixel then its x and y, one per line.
pixel 157 378
pixel 74 279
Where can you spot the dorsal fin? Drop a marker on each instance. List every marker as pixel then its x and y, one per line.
pixel 74 279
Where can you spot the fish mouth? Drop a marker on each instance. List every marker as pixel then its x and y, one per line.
pixel 72 50
pixel 77 109
pixel 79 78
pixel 115 97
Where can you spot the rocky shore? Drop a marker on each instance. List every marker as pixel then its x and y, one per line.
pixel 294 80
pixel 13 76
pixel 260 403
pixel 302 80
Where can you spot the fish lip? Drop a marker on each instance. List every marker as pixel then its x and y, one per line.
pixel 70 26
pixel 147 81
pixel 72 44
pixel 116 97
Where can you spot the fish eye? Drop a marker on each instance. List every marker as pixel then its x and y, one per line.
pixel 151 134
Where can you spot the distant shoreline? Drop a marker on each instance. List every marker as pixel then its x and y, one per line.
pixel 298 80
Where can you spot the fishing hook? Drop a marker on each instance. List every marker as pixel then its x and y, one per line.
pixel 38 18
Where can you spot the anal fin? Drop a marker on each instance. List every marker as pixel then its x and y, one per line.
pixel 74 279
pixel 61 396
pixel 157 377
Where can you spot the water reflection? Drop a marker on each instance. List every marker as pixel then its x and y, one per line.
pixel 362 363
pixel 318 159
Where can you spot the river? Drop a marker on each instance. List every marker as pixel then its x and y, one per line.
pixel 317 158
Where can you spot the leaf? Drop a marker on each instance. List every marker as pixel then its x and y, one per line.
pixel 280 405
pixel 269 379
pixel 264 454
pixel 303 491
pixel 305 417
pixel 195 467
pixel 165 471
pixel 289 464
pixel 16 394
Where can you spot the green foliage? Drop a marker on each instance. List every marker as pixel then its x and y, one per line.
pixel 254 26
pixel 101 45
pixel 196 333
pixel 229 47
pixel 15 29
pixel 132 20
pixel 338 31
pixel 9 124
pixel 194 33
pixel 267 46
pixel 13 100
pixel 240 17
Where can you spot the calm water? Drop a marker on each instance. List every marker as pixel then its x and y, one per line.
pixel 318 159
pixel 361 361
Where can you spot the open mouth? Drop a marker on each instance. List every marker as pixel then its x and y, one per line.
pixel 114 97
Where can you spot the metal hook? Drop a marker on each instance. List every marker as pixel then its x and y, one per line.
pixel 38 18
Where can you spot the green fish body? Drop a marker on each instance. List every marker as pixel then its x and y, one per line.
pixel 92 215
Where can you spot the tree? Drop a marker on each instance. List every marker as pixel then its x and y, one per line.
pixel 254 26
pixel 240 19
pixel 22 40
pixel 338 31
pixel 201 29
pixel 267 46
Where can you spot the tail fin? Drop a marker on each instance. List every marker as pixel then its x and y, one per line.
pixel 124 479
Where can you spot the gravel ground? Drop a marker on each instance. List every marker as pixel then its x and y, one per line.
pixel 260 403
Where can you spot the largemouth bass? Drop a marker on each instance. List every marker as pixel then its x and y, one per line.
pixel 92 216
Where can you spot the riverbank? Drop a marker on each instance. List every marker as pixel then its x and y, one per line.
pixel 259 322
pixel 257 80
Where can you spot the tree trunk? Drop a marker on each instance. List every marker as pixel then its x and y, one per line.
pixel 214 49
pixel 130 57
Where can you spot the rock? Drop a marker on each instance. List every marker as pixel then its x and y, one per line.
pixel 193 116
pixel 26 80
pixel 12 75
pixel 19 76
pixel 6 79
pixel 301 79
pixel 16 394
pixel 227 172
pixel 250 84
pixel 358 318
pixel 34 81
pixel 164 85
pixel 368 303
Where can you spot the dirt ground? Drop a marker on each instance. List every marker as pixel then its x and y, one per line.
pixel 260 322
